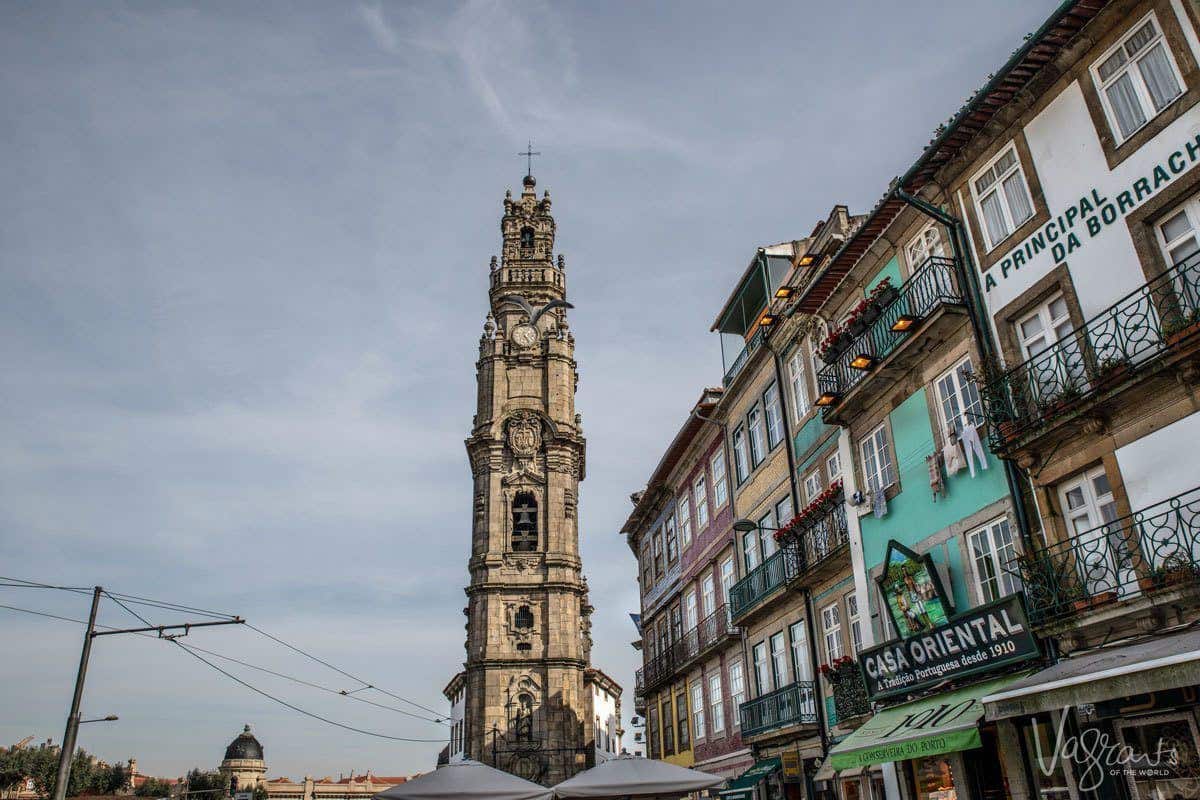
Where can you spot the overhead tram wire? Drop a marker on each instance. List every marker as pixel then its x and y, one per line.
pixel 272 697
pixel 169 606
pixel 247 664
pixel 365 684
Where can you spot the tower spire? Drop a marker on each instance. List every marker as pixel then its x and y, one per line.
pixel 529 154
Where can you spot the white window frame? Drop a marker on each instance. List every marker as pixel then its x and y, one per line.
pixel 683 515
pixel 762 667
pixel 997 185
pixel 766 538
pixel 1095 503
pixel 728 578
pixel 756 432
pixel 716 701
pixel 697 700
pixel 831 629
pixel 878 475
pixel 833 467
pixel 952 387
pixel 1052 326
pixel 854 623
pixel 801 657
pixel 812 485
pixel 700 498
pixel 741 454
pixel 797 386
pixel 1138 82
pixel 990 536
pixel 720 480
pixel 926 244
pixel 737 690
pixel 1190 210
pixel 691 610
pixel 773 415
pixel 708 595
pixel 750 538
pixel 784 510
pixel 671 537
pixel 779 659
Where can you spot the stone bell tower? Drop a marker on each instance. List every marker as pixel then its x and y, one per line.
pixel 528 700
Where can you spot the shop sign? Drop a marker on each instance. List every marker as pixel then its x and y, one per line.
pixel 913 594
pixel 793 767
pixel 1073 226
pixel 981 639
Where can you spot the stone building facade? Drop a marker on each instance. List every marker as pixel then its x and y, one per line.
pixel 528 686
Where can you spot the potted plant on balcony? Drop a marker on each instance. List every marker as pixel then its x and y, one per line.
pixel 1180 325
pixel 884 294
pixel 833 345
pixel 1052 405
pixel 857 323
pixel 849 689
pixel 816 508
pixel 1178 569
pixel 1113 370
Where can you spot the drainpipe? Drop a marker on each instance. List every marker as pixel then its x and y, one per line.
pixel 964 266
pixel 818 698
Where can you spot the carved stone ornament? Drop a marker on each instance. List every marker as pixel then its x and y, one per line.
pixel 525 434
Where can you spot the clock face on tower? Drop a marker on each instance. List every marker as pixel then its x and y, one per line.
pixel 524 335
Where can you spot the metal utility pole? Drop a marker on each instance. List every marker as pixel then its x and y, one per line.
pixel 72 731
pixel 68 740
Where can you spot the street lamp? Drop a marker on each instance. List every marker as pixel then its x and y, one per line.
pixel 109 718
pixel 748 525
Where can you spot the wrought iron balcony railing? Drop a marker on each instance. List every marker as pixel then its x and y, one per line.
pixel 742 357
pixel 794 704
pixel 933 284
pixel 659 669
pixel 1097 356
pixel 748 593
pixel 1148 551
pixel 709 632
pixel 817 540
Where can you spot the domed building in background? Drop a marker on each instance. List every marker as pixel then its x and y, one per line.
pixel 244 763
pixel 246 768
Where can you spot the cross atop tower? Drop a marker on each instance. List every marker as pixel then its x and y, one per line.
pixel 529 154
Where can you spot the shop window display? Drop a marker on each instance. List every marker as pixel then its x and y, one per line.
pixel 1165 764
pixel 1049 777
pixel 933 779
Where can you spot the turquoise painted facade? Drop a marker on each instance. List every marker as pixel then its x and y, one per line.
pixel 812 432
pixel 890 270
pixel 913 515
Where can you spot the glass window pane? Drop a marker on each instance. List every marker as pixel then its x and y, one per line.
pixel 993 217
pixel 1112 65
pixel 1159 77
pixel 1018 198
pixel 1125 105
pixel 1138 40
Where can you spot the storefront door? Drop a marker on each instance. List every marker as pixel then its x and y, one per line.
pixel 1164 763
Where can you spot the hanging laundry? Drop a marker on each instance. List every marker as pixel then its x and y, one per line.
pixel 952 454
pixel 878 503
pixel 937 484
pixel 974 448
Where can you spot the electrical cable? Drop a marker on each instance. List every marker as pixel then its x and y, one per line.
pixel 270 696
pixel 247 664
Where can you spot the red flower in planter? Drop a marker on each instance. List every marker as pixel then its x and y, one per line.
pixel 814 509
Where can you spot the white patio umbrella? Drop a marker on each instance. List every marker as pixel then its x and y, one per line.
pixel 468 780
pixel 634 776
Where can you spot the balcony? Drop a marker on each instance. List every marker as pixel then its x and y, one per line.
pixel 814 546
pixel 752 591
pixel 792 705
pixel 1139 334
pixel 928 306
pixel 657 671
pixel 1155 550
pixel 742 357
pixel 700 640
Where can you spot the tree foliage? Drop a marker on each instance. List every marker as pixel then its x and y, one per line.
pixel 88 775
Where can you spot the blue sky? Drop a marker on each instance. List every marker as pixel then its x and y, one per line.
pixel 243 263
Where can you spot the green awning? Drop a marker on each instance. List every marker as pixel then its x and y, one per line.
pixel 944 723
pixel 742 787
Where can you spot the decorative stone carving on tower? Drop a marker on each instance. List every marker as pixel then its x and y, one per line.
pixel 528 703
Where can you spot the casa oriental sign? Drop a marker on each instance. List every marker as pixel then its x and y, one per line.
pixel 981 639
